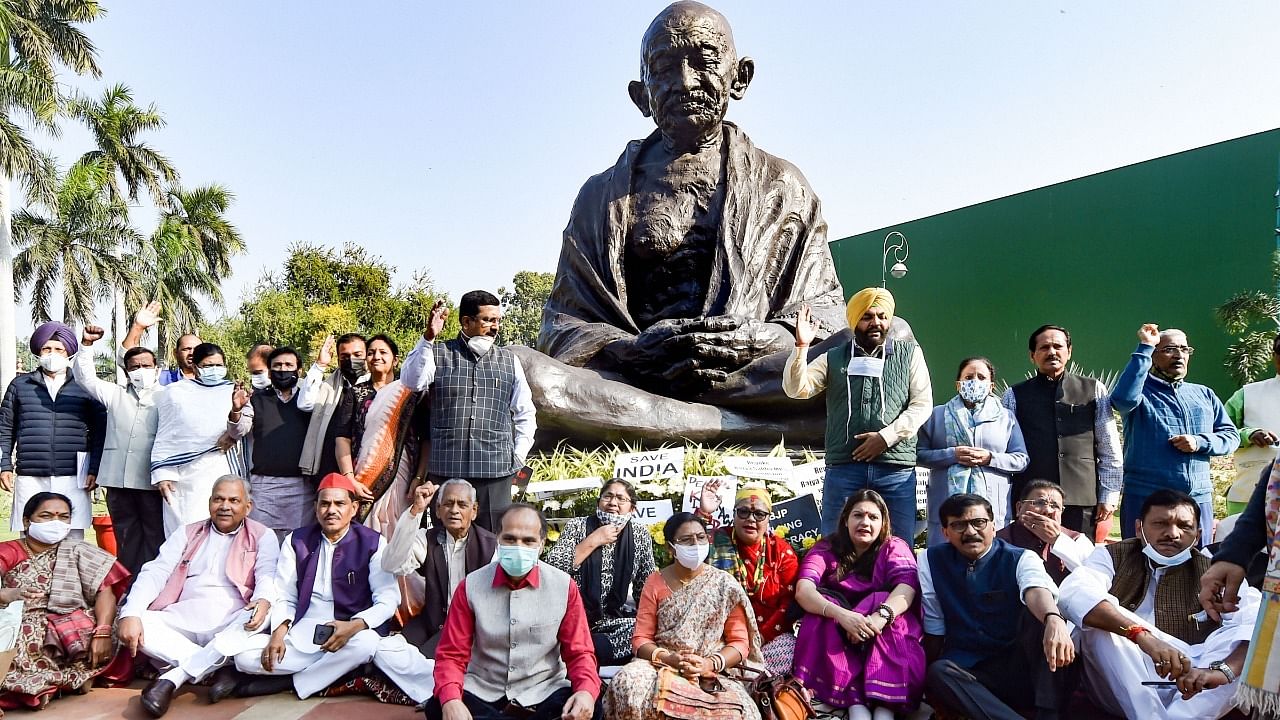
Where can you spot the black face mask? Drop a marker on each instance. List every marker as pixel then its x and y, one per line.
pixel 284 379
pixel 352 368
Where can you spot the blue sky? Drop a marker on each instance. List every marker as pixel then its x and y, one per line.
pixel 454 136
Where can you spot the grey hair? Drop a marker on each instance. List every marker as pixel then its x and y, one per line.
pixel 231 477
pixel 471 489
pixel 1169 332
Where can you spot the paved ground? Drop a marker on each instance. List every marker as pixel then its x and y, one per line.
pixel 191 704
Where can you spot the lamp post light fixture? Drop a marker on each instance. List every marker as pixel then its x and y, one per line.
pixel 900 250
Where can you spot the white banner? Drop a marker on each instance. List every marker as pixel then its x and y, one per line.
pixel 654 511
pixel 807 479
pixel 645 467
pixel 759 468
pixel 552 488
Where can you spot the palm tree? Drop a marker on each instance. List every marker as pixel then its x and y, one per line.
pixel 72 245
pixel 1253 317
pixel 187 258
pixel 36 36
pixel 116 122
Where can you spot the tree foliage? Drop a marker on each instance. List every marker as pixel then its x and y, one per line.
pixel 1253 316
pixel 522 307
pixel 322 291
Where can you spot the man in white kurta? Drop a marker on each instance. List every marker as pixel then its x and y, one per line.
pixel 207 593
pixel 1122 642
pixel 356 598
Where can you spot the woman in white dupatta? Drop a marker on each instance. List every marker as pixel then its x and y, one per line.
pixel 193 414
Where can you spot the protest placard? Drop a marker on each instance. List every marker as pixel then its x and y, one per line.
pixel 807 479
pixel 759 468
pixel 646 467
pixel 693 494
pixel 654 511
pixel 799 516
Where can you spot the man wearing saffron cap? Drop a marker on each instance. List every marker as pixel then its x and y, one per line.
pixel 766 565
pixel 878 395
pixel 58 429
pixel 335 601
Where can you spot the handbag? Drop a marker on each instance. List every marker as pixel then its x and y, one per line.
pixel 68 635
pixel 679 699
pixel 781 697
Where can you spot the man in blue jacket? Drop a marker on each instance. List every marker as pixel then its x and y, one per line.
pixel 58 429
pixel 1171 427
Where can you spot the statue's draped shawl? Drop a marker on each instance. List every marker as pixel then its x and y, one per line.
pixel 771 254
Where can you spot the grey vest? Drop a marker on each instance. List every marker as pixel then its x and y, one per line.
pixel 854 405
pixel 472 435
pixel 1057 421
pixel 515 651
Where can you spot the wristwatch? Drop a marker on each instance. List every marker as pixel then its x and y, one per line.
pixel 886 613
pixel 1225 669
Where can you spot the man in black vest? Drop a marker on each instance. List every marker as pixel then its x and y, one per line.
pixel 278 425
pixel 482 414
pixel 1070 432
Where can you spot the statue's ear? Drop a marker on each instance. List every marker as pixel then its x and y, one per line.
pixel 640 97
pixel 746 71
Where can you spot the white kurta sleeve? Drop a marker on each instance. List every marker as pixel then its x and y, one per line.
pixel 1072 552
pixel 1087 586
pixel 934 622
pixel 86 376
pixel 523 414
pixel 1031 574
pixel 309 388
pixel 418 370
pixel 154 575
pixel 286 584
pixel 264 568
pixel 386 591
pixel 408 547
pixel 801 380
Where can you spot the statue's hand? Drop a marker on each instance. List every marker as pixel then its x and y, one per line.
pixel 648 352
pixel 729 342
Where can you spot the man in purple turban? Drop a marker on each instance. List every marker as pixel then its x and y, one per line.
pixel 56 426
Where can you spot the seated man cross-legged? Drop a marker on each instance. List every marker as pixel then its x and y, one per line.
pixel 1138 603
pixel 200 601
pixel 517 642
pixel 335 601
pixel 992 627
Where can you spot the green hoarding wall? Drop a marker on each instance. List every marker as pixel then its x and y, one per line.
pixel 1163 241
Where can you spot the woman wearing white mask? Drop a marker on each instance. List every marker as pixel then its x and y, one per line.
pixel 609 555
pixel 55 427
pixel 61 582
pixel 694 623
pixel 972 444
pixel 186 458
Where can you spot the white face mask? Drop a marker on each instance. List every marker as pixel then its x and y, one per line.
pixel 691 556
pixel 54 362
pixel 975 391
pixel 1154 555
pixel 260 380
pixel 49 533
pixel 211 375
pixel 480 344
pixel 143 378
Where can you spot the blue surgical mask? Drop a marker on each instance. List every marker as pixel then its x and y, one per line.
pixel 517 560
pixel 211 375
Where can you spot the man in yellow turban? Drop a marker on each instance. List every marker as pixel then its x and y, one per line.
pixel 878 395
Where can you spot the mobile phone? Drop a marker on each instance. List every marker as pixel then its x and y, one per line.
pixel 322 634
pixel 522 477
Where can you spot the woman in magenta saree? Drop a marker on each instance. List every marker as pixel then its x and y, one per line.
pixel 859 642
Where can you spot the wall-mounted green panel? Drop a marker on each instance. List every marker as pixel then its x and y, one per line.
pixel 1163 241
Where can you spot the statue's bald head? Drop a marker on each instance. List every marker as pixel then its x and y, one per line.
pixel 689 70
pixel 688 18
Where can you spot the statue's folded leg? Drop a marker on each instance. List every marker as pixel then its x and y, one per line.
pixel 589 405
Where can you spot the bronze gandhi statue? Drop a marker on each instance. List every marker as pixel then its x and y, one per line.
pixel 683 267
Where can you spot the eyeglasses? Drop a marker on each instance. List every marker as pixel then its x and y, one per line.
pixel 1044 504
pixel 699 539
pixel 979 524
pixel 1177 350
pixel 749 514
pixel 623 499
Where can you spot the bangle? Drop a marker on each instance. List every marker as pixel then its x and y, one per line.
pixel 1133 631
pixel 655 657
pixel 825 605
pixel 718 666
pixel 102 628
pixel 96 636
pixel 1050 614
pixel 887 613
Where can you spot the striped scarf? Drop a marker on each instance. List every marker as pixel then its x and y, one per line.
pixel 1259 689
